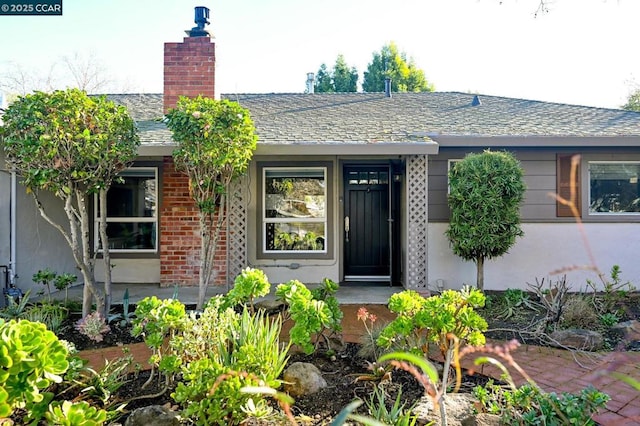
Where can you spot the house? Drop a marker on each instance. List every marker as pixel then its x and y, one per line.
pixel 353 187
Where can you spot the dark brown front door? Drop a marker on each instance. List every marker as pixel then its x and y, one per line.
pixel 366 223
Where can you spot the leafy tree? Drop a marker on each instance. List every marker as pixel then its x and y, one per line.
pixel 345 79
pixel 404 74
pixel 323 83
pixel 486 191
pixel 633 102
pixel 74 146
pixel 216 140
pixel 340 79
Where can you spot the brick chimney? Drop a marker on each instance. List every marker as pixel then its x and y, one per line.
pixel 189 67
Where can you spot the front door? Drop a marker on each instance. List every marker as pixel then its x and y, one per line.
pixel 367 223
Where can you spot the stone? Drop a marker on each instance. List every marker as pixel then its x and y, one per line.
pixel 460 410
pixel 577 338
pixel 153 415
pixel 269 305
pixel 303 378
pixel 630 330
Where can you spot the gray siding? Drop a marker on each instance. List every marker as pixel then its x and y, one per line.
pixel 540 177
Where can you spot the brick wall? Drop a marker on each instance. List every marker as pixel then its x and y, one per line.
pixel 180 234
pixel 189 69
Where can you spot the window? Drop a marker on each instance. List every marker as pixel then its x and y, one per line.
pixel 613 187
pixel 132 218
pixel 294 210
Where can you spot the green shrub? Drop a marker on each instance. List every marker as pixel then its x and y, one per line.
pixel 251 283
pixel 156 320
pixel 221 352
pixel 69 413
pixel 31 359
pixel 312 311
pixel 529 405
pixel 51 315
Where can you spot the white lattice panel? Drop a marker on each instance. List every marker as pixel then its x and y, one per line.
pixel 236 228
pixel 417 223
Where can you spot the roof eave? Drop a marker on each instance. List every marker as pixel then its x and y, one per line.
pixel 373 148
pixel 447 141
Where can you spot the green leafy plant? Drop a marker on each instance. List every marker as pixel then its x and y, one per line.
pixel 73 146
pixel 398 414
pixel 295 241
pixel 221 352
pixel 53 316
pixel 77 413
pixel 513 300
pixel 529 405
pixel 216 140
pixel 250 284
pixel 156 320
pixel 15 310
pixel 63 282
pixel 448 320
pixel 31 359
pixel 486 191
pixel 126 317
pixel 312 311
pixel 94 326
pixel 609 319
pixel 614 290
pixel 45 277
pixel 104 383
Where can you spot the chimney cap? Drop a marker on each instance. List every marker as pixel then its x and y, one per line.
pixel 201 19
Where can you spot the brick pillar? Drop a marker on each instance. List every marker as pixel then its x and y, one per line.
pixel 189 69
pixel 180 234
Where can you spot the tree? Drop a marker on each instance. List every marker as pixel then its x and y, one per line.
pixel 323 83
pixel 404 74
pixel 633 102
pixel 216 140
pixel 485 193
pixel 74 146
pixel 340 79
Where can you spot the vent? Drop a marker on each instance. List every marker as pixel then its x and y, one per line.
pixel 201 19
pixel 476 101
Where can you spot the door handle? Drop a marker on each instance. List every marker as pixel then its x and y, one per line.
pixel 346 228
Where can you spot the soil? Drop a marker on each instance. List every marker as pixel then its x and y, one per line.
pixel 342 369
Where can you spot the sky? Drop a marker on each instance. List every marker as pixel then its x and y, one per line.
pixel 581 52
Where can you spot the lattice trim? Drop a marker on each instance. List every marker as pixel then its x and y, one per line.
pixel 417 223
pixel 237 202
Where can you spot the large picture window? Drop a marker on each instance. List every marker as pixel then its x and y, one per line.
pixel 613 187
pixel 294 210
pixel 132 217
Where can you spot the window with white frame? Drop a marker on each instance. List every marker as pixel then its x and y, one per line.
pixel 613 187
pixel 132 217
pixel 294 210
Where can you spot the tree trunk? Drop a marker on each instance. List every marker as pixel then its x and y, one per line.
pixel 106 257
pixel 87 260
pixel 480 276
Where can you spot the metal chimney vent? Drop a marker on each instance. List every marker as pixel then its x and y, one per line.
pixel 310 81
pixel 201 19
pixel 387 87
pixel 476 101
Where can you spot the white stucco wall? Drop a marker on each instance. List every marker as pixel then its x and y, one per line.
pixel 144 271
pixel 544 249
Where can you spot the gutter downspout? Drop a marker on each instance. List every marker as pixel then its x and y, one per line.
pixel 12 233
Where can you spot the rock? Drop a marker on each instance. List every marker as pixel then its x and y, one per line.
pixel 630 330
pixel 303 378
pixel 269 305
pixel 578 338
pixel 460 411
pixel 153 415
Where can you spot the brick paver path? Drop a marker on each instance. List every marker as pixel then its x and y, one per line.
pixel 554 370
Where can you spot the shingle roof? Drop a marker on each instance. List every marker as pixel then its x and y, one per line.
pixel 282 118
